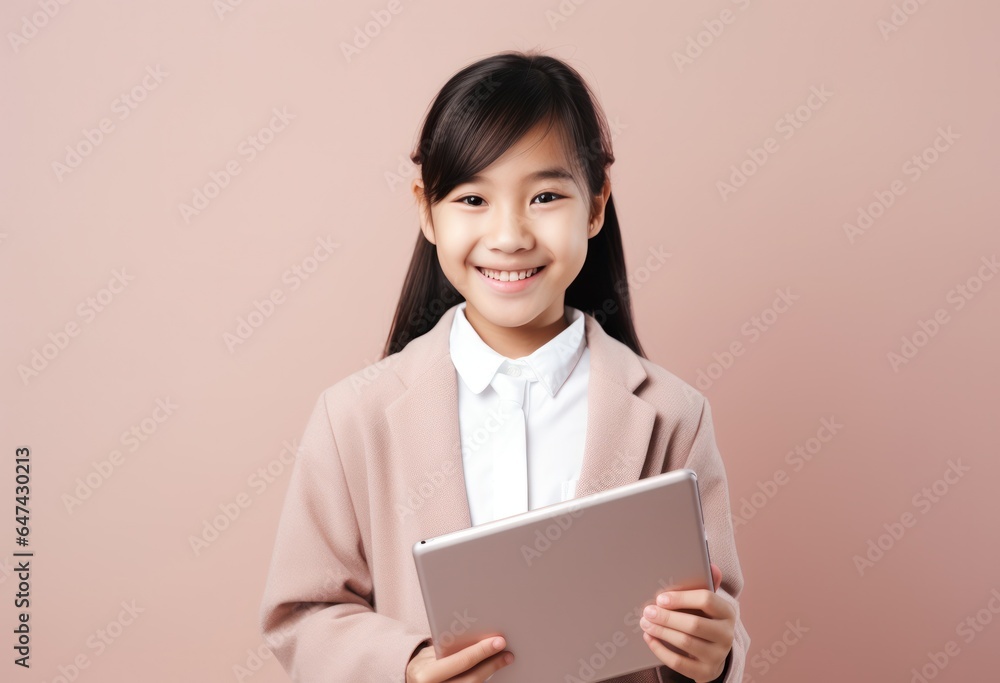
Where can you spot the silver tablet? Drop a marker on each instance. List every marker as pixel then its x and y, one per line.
pixel 566 584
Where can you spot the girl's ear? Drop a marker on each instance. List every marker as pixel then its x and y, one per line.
pixel 423 209
pixel 600 201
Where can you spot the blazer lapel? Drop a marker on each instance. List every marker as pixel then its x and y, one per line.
pixel 426 441
pixel 619 423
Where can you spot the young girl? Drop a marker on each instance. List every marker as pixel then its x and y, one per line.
pixel 515 305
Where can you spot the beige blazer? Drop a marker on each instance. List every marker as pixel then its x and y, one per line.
pixel 379 467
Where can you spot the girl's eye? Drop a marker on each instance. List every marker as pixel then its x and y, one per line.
pixel 552 194
pixel 478 200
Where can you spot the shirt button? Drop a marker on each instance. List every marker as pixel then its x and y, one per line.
pixel 514 372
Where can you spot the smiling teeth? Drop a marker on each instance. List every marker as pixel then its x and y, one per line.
pixel 508 275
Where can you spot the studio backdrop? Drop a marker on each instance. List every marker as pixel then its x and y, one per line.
pixel 207 219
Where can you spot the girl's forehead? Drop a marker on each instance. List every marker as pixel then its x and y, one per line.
pixel 534 155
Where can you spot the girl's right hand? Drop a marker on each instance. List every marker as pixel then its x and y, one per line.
pixel 474 664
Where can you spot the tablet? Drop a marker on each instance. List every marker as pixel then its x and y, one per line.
pixel 566 584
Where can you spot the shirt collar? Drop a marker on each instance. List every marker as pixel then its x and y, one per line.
pixel 552 363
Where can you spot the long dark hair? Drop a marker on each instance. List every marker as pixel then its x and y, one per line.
pixel 480 112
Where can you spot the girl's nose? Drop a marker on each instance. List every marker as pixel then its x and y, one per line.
pixel 510 231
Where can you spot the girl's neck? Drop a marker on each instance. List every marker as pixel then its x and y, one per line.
pixel 518 342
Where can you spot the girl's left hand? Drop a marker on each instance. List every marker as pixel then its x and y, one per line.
pixel 705 639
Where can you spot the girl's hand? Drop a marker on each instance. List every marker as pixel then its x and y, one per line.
pixel 474 664
pixel 705 637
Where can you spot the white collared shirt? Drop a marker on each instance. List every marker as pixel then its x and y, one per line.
pixel 555 412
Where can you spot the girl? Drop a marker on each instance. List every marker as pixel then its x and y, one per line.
pixel 515 301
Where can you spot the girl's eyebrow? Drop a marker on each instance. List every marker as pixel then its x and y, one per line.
pixel 553 173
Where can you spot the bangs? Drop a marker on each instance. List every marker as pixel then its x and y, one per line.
pixel 483 116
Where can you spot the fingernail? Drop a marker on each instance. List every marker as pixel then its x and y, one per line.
pixel 650 611
pixel 508 658
pixel 498 643
pixel 664 599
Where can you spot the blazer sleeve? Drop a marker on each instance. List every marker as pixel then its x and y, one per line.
pixel 704 458
pixel 316 615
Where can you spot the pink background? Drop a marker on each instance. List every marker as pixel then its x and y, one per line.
pixel 327 173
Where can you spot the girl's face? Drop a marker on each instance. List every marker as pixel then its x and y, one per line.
pixel 523 212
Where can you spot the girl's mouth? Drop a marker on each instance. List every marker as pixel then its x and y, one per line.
pixel 521 279
pixel 509 276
